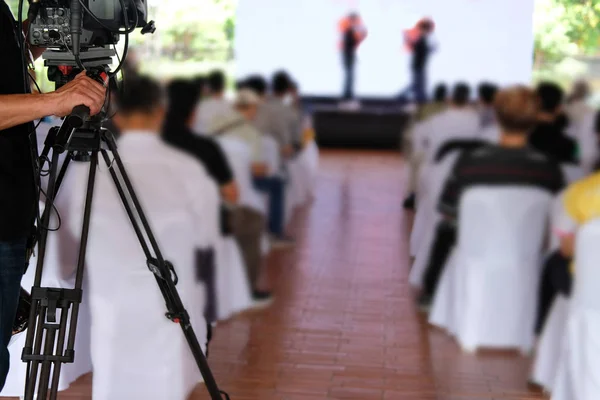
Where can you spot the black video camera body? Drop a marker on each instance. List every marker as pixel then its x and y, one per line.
pixel 101 20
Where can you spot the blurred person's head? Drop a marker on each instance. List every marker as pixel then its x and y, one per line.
pixel 184 95
pixel 281 83
pixel 140 105
pixel 246 103
pixel 551 98
pixel 257 84
pixel 516 109
pixel 486 93
pixel 440 93
pixel 216 83
pixel 426 26
pixel 580 91
pixel 461 94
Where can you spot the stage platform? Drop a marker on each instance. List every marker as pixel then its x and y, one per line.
pixel 370 123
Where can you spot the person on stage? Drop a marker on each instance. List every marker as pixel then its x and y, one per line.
pixel 417 41
pixel 353 32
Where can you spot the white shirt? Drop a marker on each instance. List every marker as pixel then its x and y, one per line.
pixel 451 124
pixel 128 324
pixel 207 110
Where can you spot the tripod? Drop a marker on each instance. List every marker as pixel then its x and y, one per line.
pixel 45 349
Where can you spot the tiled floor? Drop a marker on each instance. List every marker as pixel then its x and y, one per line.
pixel 344 325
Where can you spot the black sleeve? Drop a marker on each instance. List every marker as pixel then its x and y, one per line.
pixel 558 180
pixel 218 166
pixel 453 187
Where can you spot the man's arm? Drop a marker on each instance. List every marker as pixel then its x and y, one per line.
pixel 17 109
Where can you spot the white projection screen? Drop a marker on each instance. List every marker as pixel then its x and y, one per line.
pixel 477 40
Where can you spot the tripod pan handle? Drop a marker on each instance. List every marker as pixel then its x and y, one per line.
pixel 78 116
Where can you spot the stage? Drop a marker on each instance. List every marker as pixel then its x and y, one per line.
pixel 370 123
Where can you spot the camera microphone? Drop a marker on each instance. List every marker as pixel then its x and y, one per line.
pixel 76 28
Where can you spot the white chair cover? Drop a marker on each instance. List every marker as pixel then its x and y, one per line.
pixel 239 158
pixel 136 351
pixel 271 153
pixel 233 290
pixel 549 346
pixel 310 155
pixel 496 268
pixel 578 376
pixel 427 217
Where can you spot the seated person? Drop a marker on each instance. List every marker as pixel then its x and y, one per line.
pixel 458 121
pixel 275 117
pixel 548 136
pixel 487 92
pixel 509 163
pixel 238 123
pixel 213 105
pixel 136 351
pixel 177 132
pixel 556 275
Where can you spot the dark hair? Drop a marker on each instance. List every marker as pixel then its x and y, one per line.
pixel 183 98
pixel 216 81
pixel 281 82
pixel 141 94
pixel 461 94
pixel 256 83
pixel 550 95
pixel 440 93
pixel 486 92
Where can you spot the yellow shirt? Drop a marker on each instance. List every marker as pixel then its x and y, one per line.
pixel 582 200
pixel 581 204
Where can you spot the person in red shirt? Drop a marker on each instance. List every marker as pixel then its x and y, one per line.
pixel 353 33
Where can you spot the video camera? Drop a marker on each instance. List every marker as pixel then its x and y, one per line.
pixel 98 23
pixel 78 34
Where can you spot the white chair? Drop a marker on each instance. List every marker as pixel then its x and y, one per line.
pixel 578 376
pixel 427 216
pixel 488 298
pixel 238 157
pixel 548 352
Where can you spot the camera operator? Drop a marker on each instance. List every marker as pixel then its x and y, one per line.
pixel 18 108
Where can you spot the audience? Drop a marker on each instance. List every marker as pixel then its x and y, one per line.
pixel 458 121
pixel 509 163
pixel 214 105
pixel 548 136
pixel 576 107
pixel 275 117
pixel 181 201
pixel 238 122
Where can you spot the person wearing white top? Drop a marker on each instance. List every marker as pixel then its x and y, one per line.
pixel 214 106
pixel 137 352
pixel 459 121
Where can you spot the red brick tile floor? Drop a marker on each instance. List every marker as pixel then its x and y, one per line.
pixel 344 324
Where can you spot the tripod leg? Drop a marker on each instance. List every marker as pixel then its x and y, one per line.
pixel 78 277
pixel 35 304
pixel 165 282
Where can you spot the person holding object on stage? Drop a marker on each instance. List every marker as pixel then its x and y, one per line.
pixel 418 42
pixel 353 33
pixel 18 108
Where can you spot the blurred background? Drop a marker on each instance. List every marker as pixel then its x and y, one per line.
pixel 196 36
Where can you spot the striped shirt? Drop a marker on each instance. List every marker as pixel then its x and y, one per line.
pixel 492 165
